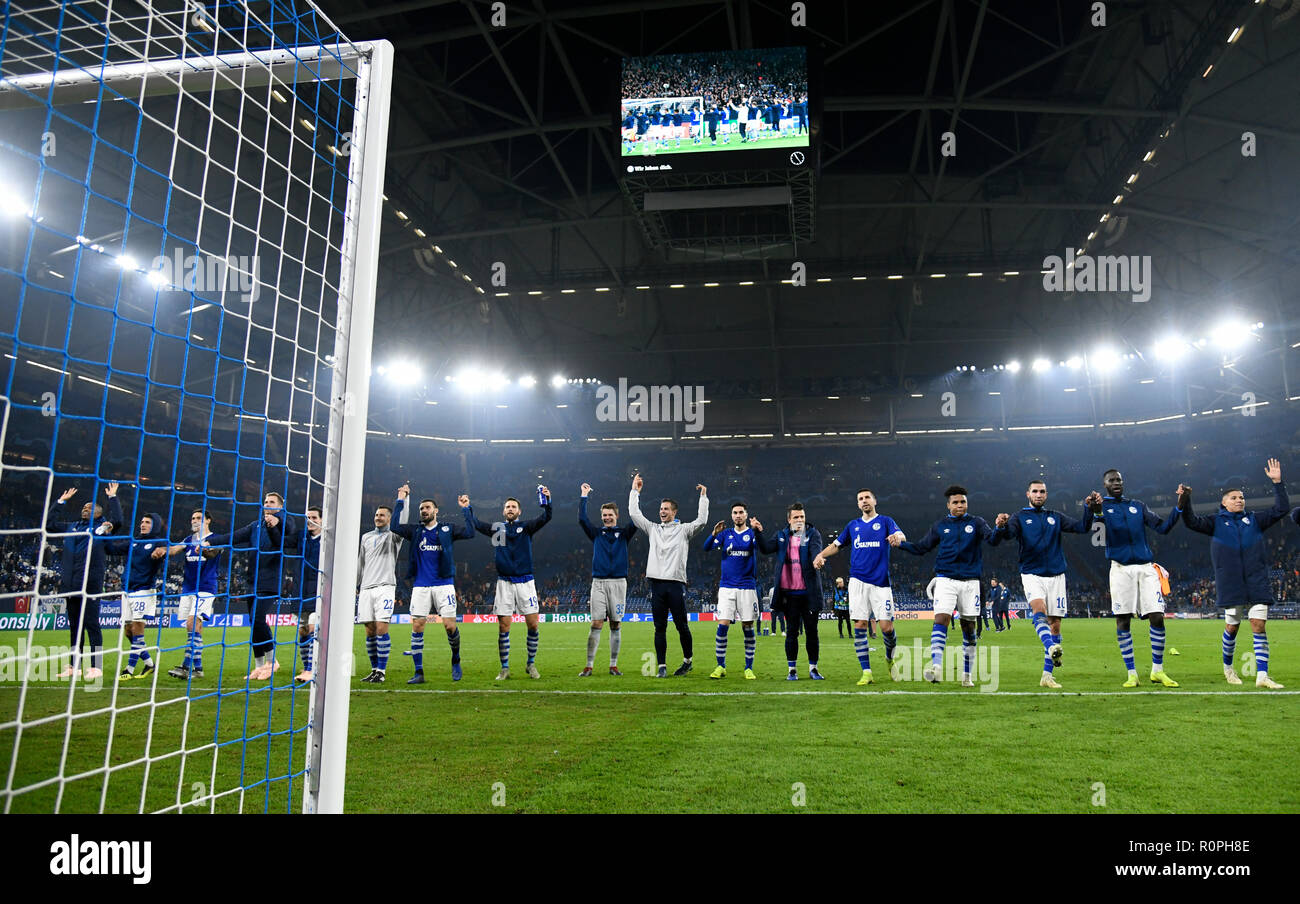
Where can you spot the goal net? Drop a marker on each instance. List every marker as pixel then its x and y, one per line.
pixel 190 200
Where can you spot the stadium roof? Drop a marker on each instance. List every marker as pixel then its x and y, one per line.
pixel 504 150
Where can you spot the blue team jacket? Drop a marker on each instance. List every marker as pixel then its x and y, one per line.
pixel 609 544
pixel 1039 533
pixel 269 543
pixel 142 568
pixel 1237 550
pixel 1126 522
pixel 85 540
pixel 444 537
pixel 960 554
pixel 514 557
pixel 812 578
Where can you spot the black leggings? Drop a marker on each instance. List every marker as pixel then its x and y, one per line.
pixel 83 621
pixel 796 609
pixel 669 597
pixel 259 607
pixel 842 619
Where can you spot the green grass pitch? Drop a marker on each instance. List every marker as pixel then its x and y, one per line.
pixel 638 744
pixel 789 141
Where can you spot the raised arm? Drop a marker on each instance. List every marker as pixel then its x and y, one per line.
pixel 634 506
pixel 240 538
pixel 583 521
pixel 1158 524
pixel 1202 524
pixel 532 527
pixel 471 523
pixel 702 518
pixel 1281 504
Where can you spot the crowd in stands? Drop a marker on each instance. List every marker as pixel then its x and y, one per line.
pixel 720 77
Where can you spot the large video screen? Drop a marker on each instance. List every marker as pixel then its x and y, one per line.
pixel 722 101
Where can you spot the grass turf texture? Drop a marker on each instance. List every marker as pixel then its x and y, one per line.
pixel 735 144
pixel 636 744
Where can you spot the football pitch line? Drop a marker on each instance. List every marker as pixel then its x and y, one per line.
pixel 1129 693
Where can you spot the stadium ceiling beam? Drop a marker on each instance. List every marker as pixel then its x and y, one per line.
pixel 520 19
pixel 460 141
pixel 876 32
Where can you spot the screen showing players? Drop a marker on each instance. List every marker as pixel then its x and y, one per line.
pixel 697 103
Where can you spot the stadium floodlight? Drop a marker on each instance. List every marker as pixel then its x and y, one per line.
pixel 1169 348
pixel 1105 359
pixel 1230 334
pixel 11 205
pixel 557 381
pixel 1014 367
pixel 528 382
pixel 1074 362
pixel 126 262
pixel 1040 365
pixel 157 279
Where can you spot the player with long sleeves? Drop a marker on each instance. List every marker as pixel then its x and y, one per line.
pixel 608 577
pixel 870 594
pixel 84 559
pixel 737 587
pixel 516 589
pixel 1239 557
pixel 433 588
pixel 798 585
pixel 146 560
pixel 377 587
pixel 1042 566
pixel 269 536
pixel 957 568
pixel 665 569
pixel 309 592
pixel 1134 584
pixel 198 591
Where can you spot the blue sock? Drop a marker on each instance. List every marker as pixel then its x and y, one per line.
pixel 1157 647
pixel 382 647
pixel 968 651
pixel 189 650
pixel 417 649
pixel 938 640
pixel 533 636
pixel 1044 632
pixel 304 648
pixel 720 645
pixel 862 648
pixel 134 655
pixel 1229 648
pixel 749 645
pixel 453 641
pixel 1261 653
pixel 792 663
pixel 371 647
pixel 196 651
pixel 503 648
pixel 891 640
pixel 1126 648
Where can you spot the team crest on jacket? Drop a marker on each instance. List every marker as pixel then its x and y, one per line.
pixel 615 535
pixel 1132 510
pixel 1051 520
pixel 876 526
pixel 1243 521
pixel 446 527
pixel 970 528
pixel 519 530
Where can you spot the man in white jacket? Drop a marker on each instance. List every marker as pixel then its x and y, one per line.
pixel 665 569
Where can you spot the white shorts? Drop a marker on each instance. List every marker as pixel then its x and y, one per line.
pixel 961 597
pixel 1232 615
pixel 375 604
pixel 1051 590
pixel 440 597
pixel 195 605
pixel 1135 590
pixel 139 604
pixel 608 599
pixel 735 604
pixel 868 601
pixel 312 619
pixel 515 599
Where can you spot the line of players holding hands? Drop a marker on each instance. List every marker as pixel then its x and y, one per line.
pixel 1237 555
